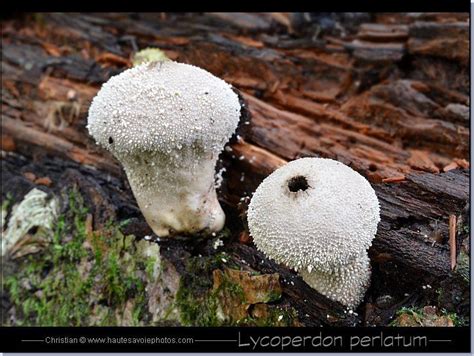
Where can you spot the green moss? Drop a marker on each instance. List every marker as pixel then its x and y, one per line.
pixel 457 319
pixel 273 296
pixel 410 310
pixel 200 309
pixel 419 314
pixel 196 304
pixel 277 316
pixel 196 300
pixel 236 290
pixel 13 285
pixel 80 272
pixel 6 202
pixel 150 264
pixel 196 310
pixel 100 278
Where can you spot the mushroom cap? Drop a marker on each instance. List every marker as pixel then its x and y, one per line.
pixel 164 106
pixel 313 213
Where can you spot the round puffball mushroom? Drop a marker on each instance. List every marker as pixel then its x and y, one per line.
pixel 167 122
pixel 315 214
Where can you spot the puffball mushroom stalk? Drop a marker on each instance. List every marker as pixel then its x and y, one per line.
pixel 167 122
pixel 346 283
pixel 319 217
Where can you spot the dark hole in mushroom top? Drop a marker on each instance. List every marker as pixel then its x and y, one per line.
pixel 297 183
pixel 111 140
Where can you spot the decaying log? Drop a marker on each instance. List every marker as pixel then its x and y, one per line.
pixel 381 98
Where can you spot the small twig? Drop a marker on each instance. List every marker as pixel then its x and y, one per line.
pixel 452 240
pixel 394 179
pixel 451 166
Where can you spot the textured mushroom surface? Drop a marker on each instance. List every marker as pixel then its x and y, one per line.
pixel 164 106
pixel 314 213
pixel 346 284
pixel 167 122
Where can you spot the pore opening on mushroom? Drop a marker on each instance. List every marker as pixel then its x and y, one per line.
pixel 297 183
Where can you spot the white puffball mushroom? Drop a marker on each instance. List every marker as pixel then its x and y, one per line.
pixel 315 214
pixel 346 284
pixel 167 122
